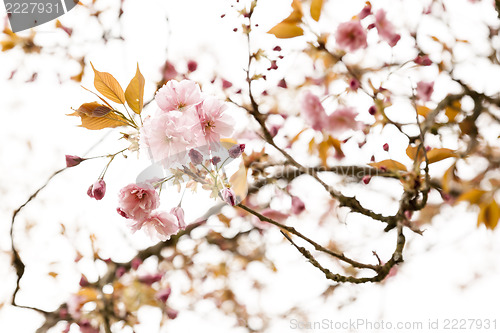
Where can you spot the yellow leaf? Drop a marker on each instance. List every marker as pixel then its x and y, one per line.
pixel 286 30
pixel 438 154
pixel 95 116
pixel 289 28
pixel 53 274
pixel 238 182
pixel 323 148
pixel 489 214
pixel 389 165
pixel 423 110
pixel 312 144
pixel 473 196
pixel 296 137
pixel 90 294
pixel 107 85
pixel 411 151
pixel 448 175
pixel 227 142
pixel 453 110
pixel 134 94
pixel 316 6
pixel 337 145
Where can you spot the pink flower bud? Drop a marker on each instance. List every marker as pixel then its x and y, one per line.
pixel 236 150
pixel 98 189
pixel 366 179
pixel 136 262
pixel 192 65
pixel 89 191
pixel 195 156
pixel 178 212
pixel 228 196
pixel 226 84
pixel 120 271
pixel 172 314
pixel 386 146
pixel 367 10
pixel 164 294
pixel 72 160
pixel 282 84
pixel 298 205
pixel 83 281
pixel 372 110
pixel 215 160
pixel 149 279
pixel 354 84
pixel 277 48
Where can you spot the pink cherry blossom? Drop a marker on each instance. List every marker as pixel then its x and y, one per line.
pixel 385 28
pixel 167 135
pixel 313 111
pixel 136 202
pixel 341 120
pixel 425 90
pixel 160 225
pixel 215 122
pixel 351 35
pixel 178 96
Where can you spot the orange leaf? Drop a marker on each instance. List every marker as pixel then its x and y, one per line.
pixel 423 110
pixel 389 165
pixel 316 6
pixel 411 151
pixel 289 28
pixel 439 154
pixel 452 111
pixel 134 94
pixel 96 116
pixel 473 196
pixel 323 148
pixel 90 294
pixel 286 30
pixel 107 85
pixel 489 214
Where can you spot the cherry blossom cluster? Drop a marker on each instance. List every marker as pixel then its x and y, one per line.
pixel 351 35
pixel 185 120
pixel 337 122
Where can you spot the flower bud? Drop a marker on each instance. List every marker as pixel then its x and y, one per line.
pixel 192 65
pixel 72 160
pixel 386 146
pixel 178 212
pixel 236 150
pixel 215 160
pixel 120 271
pixel 372 110
pixel 298 205
pixel 366 179
pixel 164 294
pixel 136 262
pixel 172 314
pixel 195 156
pixel 228 196
pixel 98 189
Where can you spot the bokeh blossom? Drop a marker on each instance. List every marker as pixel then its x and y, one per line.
pixel 351 35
